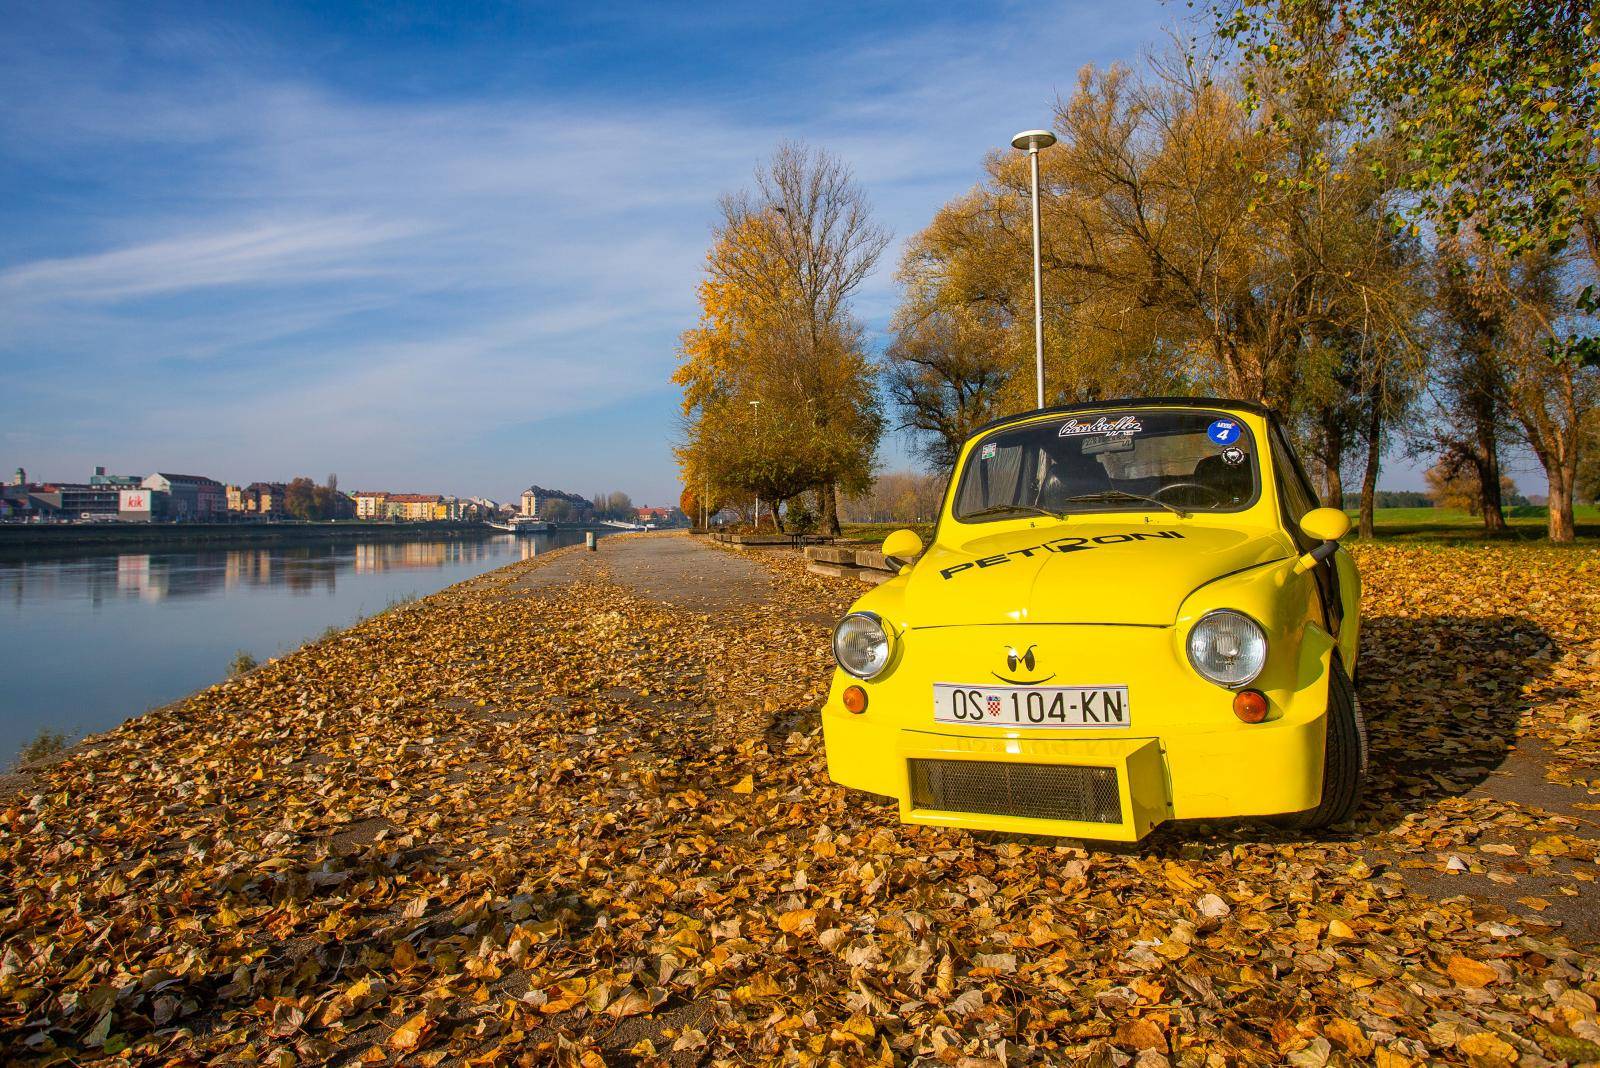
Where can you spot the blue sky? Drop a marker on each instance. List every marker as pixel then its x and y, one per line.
pixel 444 247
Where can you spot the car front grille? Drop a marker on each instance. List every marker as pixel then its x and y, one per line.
pixel 1036 791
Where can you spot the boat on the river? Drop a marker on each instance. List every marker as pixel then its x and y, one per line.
pixel 522 524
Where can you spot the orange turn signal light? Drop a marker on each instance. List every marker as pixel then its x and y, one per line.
pixel 855 699
pixel 1250 706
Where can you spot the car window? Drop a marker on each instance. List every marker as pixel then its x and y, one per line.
pixel 1298 496
pixel 1199 461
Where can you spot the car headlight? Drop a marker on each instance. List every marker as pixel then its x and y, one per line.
pixel 861 644
pixel 1228 647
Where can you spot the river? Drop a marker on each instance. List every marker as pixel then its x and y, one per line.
pixel 89 640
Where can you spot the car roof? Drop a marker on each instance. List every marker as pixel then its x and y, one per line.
pixel 1130 402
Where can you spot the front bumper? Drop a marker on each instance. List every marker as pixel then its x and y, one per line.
pixel 1185 757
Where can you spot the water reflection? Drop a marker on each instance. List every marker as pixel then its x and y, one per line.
pixel 156 576
pixel 98 638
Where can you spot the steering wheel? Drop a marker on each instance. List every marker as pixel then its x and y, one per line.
pixel 1210 491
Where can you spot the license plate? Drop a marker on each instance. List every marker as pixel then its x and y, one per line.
pixel 1093 707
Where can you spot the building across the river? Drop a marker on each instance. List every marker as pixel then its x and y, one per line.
pixel 190 496
pixel 416 507
pixel 258 499
pixel 661 517
pixel 100 478
pixel 541 503
pixel 77 500
pixel 140 505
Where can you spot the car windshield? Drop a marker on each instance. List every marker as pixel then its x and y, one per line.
pixel 1170 459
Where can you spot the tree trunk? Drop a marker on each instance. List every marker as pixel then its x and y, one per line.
pixel 1333 460
pixel 1488 467
pixel 1561 520
pixel 1369 477
pixel 830 509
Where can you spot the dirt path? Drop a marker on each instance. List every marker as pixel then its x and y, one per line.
pixel 577 810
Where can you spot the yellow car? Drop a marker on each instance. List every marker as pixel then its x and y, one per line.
pixel 1131 612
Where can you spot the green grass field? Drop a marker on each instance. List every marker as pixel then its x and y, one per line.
pixel 1441 525
pixel 1449 525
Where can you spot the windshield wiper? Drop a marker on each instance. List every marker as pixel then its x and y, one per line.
pixel 1011 509
pixel 1123 495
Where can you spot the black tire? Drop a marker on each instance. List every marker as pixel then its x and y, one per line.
pixel 1344 765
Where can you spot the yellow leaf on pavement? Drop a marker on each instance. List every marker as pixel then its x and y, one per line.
pixel 408 1034
pixel 1471 973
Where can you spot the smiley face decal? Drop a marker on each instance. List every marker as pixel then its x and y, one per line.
pixel 1025 660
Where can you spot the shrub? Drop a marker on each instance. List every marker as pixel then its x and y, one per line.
pixel 47 743
pixel 799 517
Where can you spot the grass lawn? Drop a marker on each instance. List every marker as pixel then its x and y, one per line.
pixel 1449 525
pixel 1443 525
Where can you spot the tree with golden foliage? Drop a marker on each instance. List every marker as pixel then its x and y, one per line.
pixel 1453 484
pixel 779 395
pixel 897 497
pixel 1191 243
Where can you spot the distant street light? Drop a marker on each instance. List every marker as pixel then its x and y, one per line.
pixel 1031 141
pixel 757 406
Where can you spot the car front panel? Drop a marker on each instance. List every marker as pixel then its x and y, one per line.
pixel 1182 753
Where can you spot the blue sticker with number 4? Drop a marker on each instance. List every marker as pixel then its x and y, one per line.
pixel 1223 431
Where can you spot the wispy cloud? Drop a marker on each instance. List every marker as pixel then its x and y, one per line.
pixel 268 254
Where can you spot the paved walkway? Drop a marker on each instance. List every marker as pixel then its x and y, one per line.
pixel 670 567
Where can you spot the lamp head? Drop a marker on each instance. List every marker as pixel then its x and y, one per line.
pixel 1029 140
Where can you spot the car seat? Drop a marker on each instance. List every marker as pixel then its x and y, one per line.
pixel 1072 473
pixel 1230 481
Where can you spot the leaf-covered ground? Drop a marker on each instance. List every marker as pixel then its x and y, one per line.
pixel 527 821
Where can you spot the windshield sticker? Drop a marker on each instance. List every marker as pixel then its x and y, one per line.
pixel 987 453
pixel 1101 443
pixel 1061 545
pixel 1121 428
pixel 1224 431
pixel 1233 456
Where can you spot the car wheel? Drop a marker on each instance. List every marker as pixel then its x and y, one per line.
pixel 1344 764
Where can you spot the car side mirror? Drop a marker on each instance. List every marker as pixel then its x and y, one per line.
pixel 1327 526
pixel 902 546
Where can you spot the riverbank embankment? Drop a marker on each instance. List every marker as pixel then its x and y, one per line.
pixel 56 537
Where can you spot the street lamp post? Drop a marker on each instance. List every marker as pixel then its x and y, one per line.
pixel 757 406
pixel 1031 141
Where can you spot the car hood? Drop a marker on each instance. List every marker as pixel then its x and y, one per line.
pixel 1079 572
